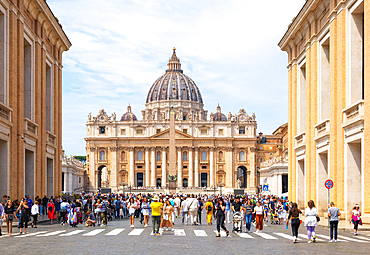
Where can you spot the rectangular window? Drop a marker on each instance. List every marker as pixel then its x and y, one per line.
pixel 185 167
pixel 139 131
pixel 204 167
pixel 203 131
pixel 324 89
pixel 79 179
pixel 123 131
pixel 139 167
pixel 158 166
pixel 27 79
pixel 302 100
pixel 158 130
pixel 102 130
pixel 185 131
pixel 241 130
pixel 158 157
pixel 49 98
pixel 185 156
pixel 184 117
pixel 271 154
pixel 261 160
pixel 220 132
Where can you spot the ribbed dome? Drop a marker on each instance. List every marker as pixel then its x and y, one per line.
pixel 127 115
pixel 219 116
pixel 174 84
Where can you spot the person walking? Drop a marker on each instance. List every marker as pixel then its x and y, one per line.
pixel 145 211
pixel 193 209
pixel 63 211
pixel 356 218
pixel 167 216
pixel 200 209
pixel 156 208
pixel 35 213
pixel 51 211
pixel 333 215
pixel 10 215
pixel 104 210
pixel 209 210
pixel 227 210
pixel 295 221
pixel 248 210
pixel 258 211
pixel 220 214
pixel 185 212
pixel 132 205
pixel 310 221
pixel 98 212
pixel 1 217
pixel 23 209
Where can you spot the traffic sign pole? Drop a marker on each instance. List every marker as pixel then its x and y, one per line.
pixel 329 185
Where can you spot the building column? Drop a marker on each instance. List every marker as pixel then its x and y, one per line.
pixel 132 165
pixel 113 170
pixel 253 170
pixel 147 160
pixel 196 168
pixel 91 170
pixel 164 165
pixel 211 167
pixel 190 167
pixel 179 167
pixel 153 160
pixel 229 167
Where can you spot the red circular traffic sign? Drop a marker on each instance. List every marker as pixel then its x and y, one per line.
pixel 329 184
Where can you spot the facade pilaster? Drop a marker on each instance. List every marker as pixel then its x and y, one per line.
pixel 179 167
pixel 92 167
pixel 152 174
pixel 212 167
pixel 252 164
pixel 164 167
pixel 229 167
pixel 196 168
pixel 132 166
pixel 113 170
pixel 190 167
pixel 147 173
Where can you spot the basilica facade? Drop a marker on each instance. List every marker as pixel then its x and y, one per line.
pixel 212 151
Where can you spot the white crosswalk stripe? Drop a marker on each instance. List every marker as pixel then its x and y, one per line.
pixel 289 237
pixel 160 232
pixel 200 233
pixel 244 235
pixel 179 232
pixel 94 232
pixel 72 233
pixel 32 234
pixel 266 236
pixel 222 233
pixel 352 239
pixel 115 232
pixel 363 238
pixel 53 233
pixel 306 237
pixel 328 238
pixel 136 232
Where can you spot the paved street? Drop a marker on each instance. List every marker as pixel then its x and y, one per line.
pixel 118 238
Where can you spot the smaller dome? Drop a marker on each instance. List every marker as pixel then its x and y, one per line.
pixel 219 116
pixel 128 114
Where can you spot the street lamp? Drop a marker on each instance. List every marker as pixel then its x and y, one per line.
pixel 221 184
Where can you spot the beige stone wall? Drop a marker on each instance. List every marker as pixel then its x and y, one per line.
pixel 33 20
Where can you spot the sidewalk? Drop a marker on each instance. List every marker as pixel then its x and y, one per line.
pixel 41 219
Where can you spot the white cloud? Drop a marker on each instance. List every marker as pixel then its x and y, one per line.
pixel 119 48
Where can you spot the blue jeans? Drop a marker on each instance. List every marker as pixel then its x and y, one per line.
pixel 333 229
pixel 248 220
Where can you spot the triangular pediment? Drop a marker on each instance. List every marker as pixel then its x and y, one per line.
pixel 165 134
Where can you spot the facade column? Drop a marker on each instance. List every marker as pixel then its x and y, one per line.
pixel 153 160
pixel 147 161
pixel 179 167
pixel 190 167
pixel 253 170
pixel 113 170
pixel 196 168
pixel 229 167
pixel 212 167
pixel 132 165
pixel 164 165
pixel 92 169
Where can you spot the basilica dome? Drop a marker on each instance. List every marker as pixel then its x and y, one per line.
pixel 219 116
pixel 174 84
pixel 128 115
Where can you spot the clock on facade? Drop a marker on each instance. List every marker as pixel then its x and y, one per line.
pixel 242 117
pixel 102 118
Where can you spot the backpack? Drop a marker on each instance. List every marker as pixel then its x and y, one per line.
pixel 50 209
pixel 209 208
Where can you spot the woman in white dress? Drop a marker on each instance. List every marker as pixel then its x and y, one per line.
pixel 311 222
pixel 145 211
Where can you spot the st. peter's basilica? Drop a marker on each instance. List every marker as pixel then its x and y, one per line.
pixel 210 152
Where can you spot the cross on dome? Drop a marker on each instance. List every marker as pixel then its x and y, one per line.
pixel 174 63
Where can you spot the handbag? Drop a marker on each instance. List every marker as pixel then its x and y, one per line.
pixel 317 218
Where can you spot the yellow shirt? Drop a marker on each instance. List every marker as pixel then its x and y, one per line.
pixel 156 208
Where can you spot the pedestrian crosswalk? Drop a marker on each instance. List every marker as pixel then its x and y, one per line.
pixel 180 232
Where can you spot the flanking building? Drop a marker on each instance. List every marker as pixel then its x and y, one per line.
pixel 74 178
pixel 210 152
pixel 328 46
pixel 32 42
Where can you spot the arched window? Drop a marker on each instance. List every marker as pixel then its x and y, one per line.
pixel 140 155
pixel 159 182
pixel 185 156
pixel 220 156
pixel 204 155
pixel 185 182
pixel 158 156
pixel 123 156
pixel 102 155
pixel 241 156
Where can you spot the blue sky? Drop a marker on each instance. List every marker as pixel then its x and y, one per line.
pixel 120 47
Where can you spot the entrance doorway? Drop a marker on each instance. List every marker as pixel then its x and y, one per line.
pixel 354 173
pixel 158 183
pixel 4 168
pixel 204 180
pixel 29 175
pixel 50 177
pixel 140 179
pixel 322 176
pixel 242 176
pixel 100 175
pixel 284 179
pixel 185 182
pixel 301 186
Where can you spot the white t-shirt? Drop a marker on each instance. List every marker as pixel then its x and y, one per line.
pixel 259 210
pixel 356 214
pixel 184 206
pixel 177 202
pixel 131 207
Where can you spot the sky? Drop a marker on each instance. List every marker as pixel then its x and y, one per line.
pixel 120 47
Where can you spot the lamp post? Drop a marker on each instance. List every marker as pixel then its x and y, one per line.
pixel 221 184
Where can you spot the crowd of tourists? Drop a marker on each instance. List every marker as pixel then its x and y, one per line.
pixel 97 209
